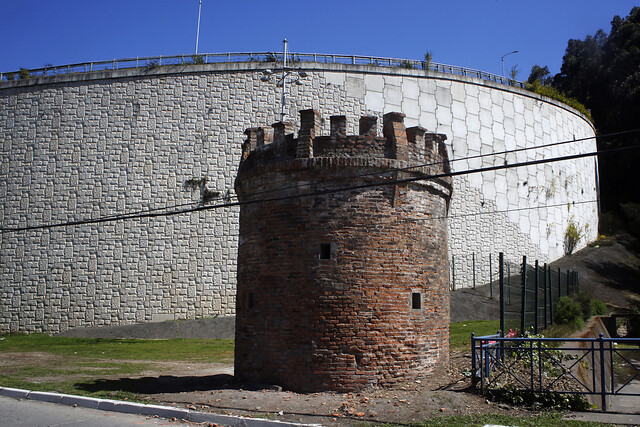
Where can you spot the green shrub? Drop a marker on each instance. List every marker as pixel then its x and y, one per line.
pixel 553 93
pixel 270 57
pixel 428 58
pixel 405 63
pixel 24 74
pixel 198 59
pixel 554 399
pixel 598 308
pixel 568 311
pixel 590 306
pixel 603 240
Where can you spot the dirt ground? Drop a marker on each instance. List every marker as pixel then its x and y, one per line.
pixel 445 393
pixel 611 273
pixel 210 387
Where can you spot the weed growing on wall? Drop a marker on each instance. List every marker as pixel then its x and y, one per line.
pixel 151 65
pixel 405 63
pixel 270 57
pixel 572 236
pixel 24 74
pixel 428 58
pixel 513 74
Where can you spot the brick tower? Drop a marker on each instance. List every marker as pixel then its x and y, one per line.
pixel 342 270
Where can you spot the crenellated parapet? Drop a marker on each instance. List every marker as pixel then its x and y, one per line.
pixel 413 145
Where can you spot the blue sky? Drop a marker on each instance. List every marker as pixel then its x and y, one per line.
pixel 468 33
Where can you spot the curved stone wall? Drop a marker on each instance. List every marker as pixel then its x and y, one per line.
pixel 91 145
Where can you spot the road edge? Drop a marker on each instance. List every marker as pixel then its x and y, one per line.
pixel 141 408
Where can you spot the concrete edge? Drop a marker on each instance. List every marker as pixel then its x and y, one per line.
pixel 141 408
pixel 616 418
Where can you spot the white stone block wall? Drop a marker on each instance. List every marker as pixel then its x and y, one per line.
pixel 92 145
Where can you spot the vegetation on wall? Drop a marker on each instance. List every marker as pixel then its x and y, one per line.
pixel 198 59
pixel 572 236
pixel 406 63
pixel 553 93
pixel 428 59
pixel 24 74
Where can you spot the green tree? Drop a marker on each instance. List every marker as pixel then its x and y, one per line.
pixel 540 74
pixel 603 72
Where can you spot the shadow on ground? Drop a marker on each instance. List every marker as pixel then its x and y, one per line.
pixel 162 384
pixel 619 275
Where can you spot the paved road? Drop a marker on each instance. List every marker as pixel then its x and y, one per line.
pixel 18 412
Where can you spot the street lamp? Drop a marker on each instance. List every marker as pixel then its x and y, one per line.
pixel 293 77
pixel 506 54
pixel 198 29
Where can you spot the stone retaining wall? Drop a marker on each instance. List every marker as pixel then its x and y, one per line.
pixel 96 144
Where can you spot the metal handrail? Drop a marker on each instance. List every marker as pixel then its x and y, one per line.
pixel 487 355
pixel 265 57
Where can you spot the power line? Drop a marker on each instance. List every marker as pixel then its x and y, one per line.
pixel 408 168
pixel 316 193
pixel 557 205
pixel 134 214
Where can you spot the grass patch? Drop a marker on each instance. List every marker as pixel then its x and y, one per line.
pixel 195 350
pixel 544 419
pixel 103 368
pixel 68 387
pixel 460 332
pixel 560 331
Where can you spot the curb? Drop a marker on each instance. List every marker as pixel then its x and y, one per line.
pixel 141 409
pixel 616 418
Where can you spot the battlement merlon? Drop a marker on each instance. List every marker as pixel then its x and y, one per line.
pixel 414 144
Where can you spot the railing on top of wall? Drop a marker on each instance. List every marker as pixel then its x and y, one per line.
pixel 264 57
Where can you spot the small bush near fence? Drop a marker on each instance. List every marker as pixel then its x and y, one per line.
pixel 575 310
pixel 569 312
pixel 553 400
pixel 590 306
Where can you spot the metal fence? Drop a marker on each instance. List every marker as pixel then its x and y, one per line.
pixel 607 368
pixel 528 301
pixel 263 57
pixel 472 270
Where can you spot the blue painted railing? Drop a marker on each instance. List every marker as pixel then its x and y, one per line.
pixel 498 361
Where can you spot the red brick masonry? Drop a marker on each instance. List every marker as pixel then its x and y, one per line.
pixel 341 290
